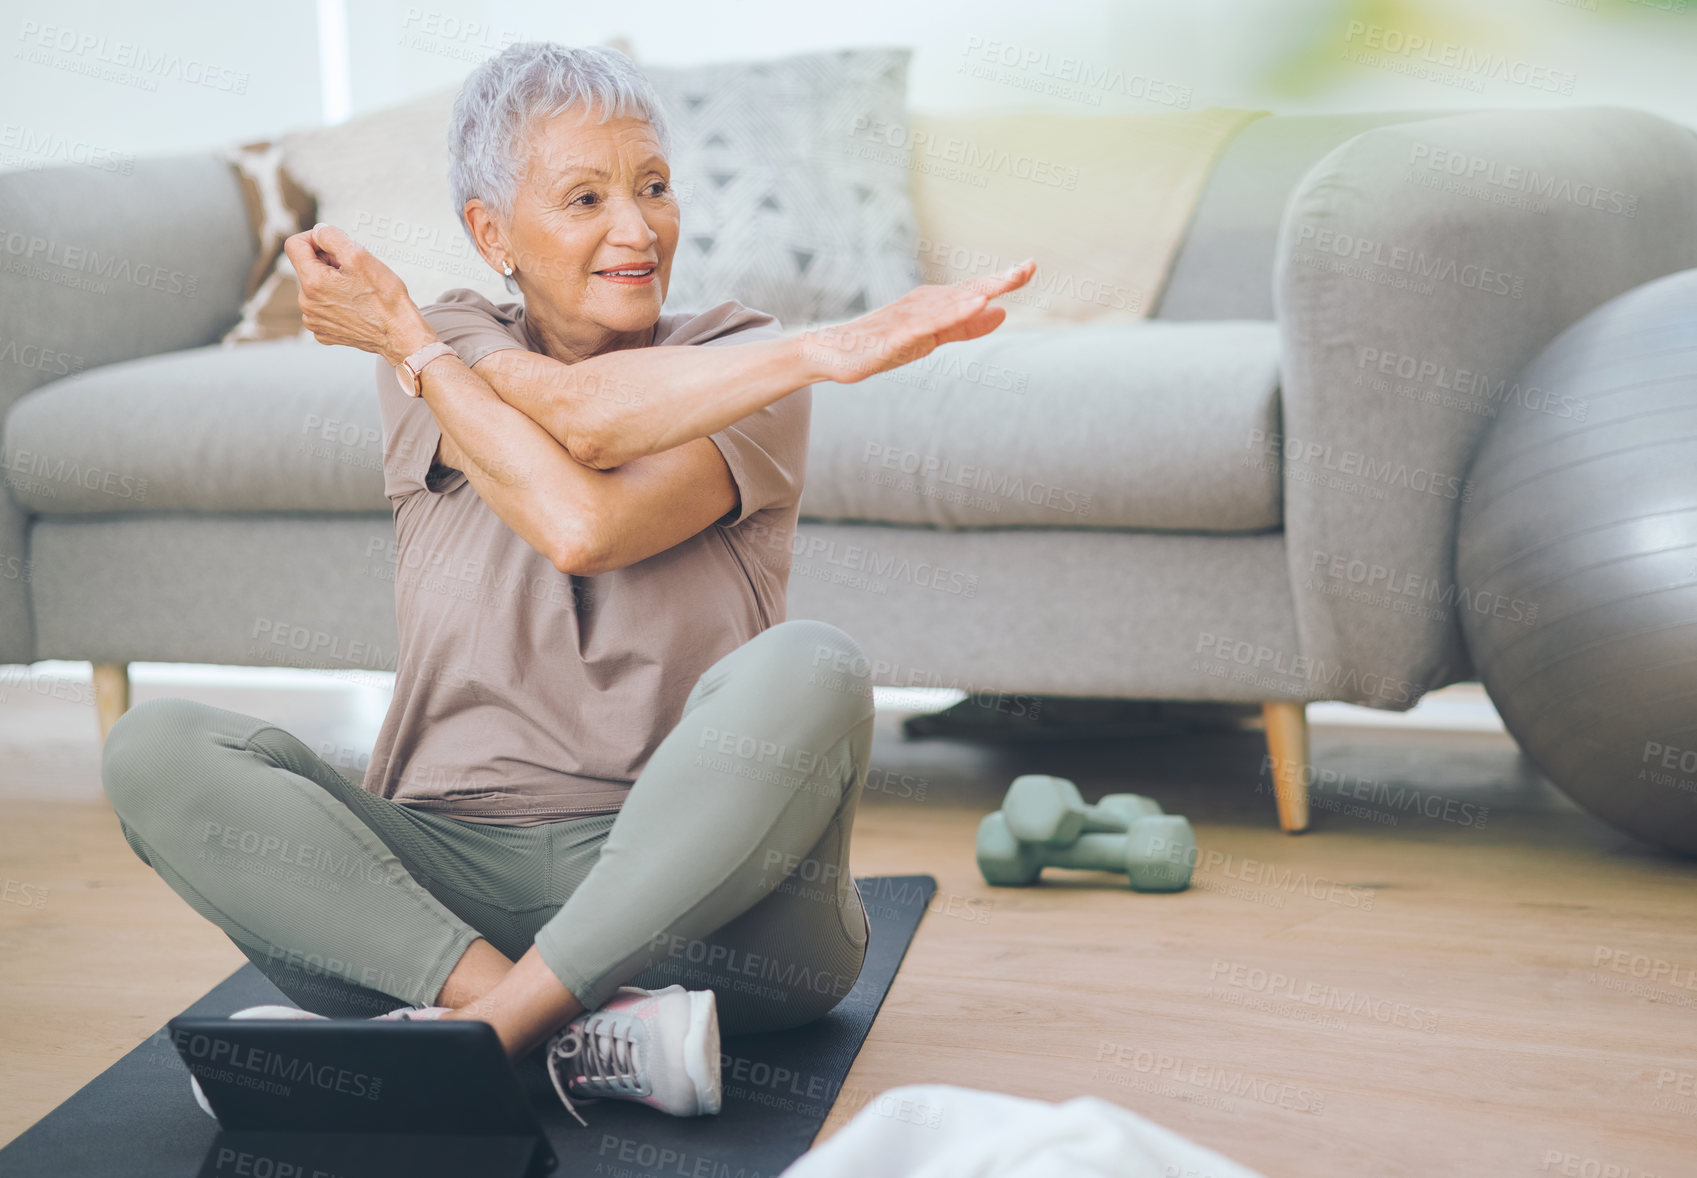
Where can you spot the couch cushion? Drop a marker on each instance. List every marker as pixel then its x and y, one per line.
pixel 1149 425
pixel 1108 425
pixel 279 425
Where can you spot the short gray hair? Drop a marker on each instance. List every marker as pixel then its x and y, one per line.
pixel 526 81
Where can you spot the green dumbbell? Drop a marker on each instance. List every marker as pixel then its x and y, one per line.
pixel 1050 810
pixel 1157 853
pixel 1131 807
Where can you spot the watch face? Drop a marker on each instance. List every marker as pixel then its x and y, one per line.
pixel 404 375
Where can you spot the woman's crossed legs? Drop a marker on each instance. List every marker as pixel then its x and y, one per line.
pixel 726 868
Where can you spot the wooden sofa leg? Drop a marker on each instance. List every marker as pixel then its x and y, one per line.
pixel 1287 745
pixel 111 694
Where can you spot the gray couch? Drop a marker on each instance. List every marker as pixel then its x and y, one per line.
pixel 1251 497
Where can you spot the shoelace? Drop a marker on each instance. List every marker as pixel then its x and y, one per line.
pixel 605 1054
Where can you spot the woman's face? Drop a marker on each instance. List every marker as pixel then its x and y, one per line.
pixel 593 197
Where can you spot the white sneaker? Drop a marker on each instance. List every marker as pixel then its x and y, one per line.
pixel 413 1013
pixel 409 1013
pixel 656 1047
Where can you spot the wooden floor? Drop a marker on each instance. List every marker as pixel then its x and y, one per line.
pixel 1438 979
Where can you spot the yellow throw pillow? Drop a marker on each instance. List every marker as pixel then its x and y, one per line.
pixel 1101 201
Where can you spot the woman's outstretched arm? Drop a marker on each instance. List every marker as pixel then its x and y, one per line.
pixel 621 405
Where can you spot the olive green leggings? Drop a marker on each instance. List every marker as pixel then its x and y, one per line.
pixel 727 867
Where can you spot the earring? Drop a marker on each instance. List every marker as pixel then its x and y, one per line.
pixel 507 267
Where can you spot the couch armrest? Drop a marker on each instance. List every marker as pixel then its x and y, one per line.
pixel 1420 266
pixel 98 266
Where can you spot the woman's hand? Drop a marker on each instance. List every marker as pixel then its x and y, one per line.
pixel 347 296
pixel 912 327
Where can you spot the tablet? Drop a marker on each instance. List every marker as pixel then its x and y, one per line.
pixel 397 1078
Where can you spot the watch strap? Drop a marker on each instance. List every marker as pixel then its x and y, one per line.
pixel 412 367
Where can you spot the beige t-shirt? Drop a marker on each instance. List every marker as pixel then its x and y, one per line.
pixel 527 695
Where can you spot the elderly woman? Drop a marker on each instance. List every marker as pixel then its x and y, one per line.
pixel 608 759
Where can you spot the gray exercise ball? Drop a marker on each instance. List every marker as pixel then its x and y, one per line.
pixel 1576 561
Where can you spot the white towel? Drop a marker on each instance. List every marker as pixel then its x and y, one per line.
pixel 944 1131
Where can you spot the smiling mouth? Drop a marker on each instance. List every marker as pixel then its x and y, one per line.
pixel 628 273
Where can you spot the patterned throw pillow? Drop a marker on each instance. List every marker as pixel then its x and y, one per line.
pixel 793 199
pixel 277 208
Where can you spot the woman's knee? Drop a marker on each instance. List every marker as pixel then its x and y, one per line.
pixel 774 1008
pixel 816 657
pixel 146 751
pixel 809 641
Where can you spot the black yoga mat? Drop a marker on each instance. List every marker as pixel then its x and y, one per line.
pixel 138 1118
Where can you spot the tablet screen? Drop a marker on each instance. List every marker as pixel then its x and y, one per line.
pixel 360 1075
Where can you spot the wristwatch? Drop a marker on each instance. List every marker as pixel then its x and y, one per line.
pixel 408 370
